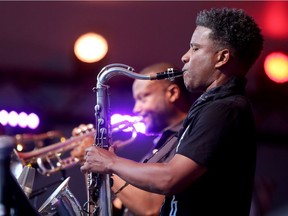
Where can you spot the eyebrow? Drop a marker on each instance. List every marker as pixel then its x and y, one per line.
pixel 194 44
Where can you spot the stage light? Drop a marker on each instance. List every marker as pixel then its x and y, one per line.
pixel 33 121
pixel 90 47
pixel 19 147
pixel 22 122
pixel 3 117
pixel 276 67
pixel 275 19
pixel 22 119
pixel 139 126
pixel 12 119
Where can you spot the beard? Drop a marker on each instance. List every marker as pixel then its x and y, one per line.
pixel 155 124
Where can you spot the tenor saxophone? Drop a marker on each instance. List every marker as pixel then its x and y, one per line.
pixel 99 201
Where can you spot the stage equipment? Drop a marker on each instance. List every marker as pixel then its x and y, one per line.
pixel 26 180
pixel 61 202
pixel 13 200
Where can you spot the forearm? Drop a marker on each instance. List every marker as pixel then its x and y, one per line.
pixel 162 178
pixel 136 200
pixel 152 177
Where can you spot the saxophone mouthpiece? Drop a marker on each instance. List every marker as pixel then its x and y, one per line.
pixel 169 74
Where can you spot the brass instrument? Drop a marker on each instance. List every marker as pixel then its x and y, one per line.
pixel 37 139
pixel 99 188
pixel 28 141
pixel 45 157
pixel 61 202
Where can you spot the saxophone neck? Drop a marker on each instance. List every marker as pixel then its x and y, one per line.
pixel 118 69
pixel 121 69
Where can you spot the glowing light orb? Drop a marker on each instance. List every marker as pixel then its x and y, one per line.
pixel 276 67
pixel 90 47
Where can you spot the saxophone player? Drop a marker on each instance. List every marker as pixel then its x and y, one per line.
pixel 213 169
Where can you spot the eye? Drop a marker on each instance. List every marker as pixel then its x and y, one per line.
pixel 194 48
pixel 142 98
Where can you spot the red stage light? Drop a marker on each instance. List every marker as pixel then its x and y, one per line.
pixel 275 19
pixel 276 67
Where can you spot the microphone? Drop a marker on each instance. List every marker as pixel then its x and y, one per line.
pixel 171 73
pixel 26 180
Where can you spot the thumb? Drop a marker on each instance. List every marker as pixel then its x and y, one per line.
pixel 113 148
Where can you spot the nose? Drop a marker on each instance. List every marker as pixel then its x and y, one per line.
pixel 136 108
pixel 185 58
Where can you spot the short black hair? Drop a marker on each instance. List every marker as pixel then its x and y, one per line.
pixel 232 28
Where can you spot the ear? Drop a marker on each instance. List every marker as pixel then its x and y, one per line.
pixel 173 92
pixel 223 57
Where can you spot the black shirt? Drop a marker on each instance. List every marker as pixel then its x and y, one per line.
pixel 218 133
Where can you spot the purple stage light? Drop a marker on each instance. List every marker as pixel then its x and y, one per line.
pixel 13 119
pixel 4 117
pixel 22 119
pixel 33 121
pixel 139 126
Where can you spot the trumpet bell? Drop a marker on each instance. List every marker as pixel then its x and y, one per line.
pixel 61 202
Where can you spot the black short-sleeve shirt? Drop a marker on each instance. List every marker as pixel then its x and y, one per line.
pixel 218 134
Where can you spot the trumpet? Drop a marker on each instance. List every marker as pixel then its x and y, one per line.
pixel 45 157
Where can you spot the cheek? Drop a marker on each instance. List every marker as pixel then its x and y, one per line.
pixel 201 68
pixel 157 107
pixel 149 105
pixel 157 98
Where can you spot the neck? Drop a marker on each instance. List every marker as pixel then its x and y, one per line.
pixel 222 79
pixel 175 122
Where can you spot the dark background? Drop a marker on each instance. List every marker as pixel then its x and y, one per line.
pixel 39 72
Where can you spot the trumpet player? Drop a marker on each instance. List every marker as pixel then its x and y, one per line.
pixel 213 168
pixel 163 105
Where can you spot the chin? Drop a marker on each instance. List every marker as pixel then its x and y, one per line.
pixel 152 131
